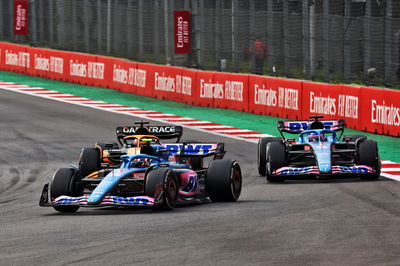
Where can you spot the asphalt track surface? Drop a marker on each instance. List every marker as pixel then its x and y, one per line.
pixel 326 222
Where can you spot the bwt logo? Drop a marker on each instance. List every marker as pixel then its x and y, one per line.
pixel 297 126
pixel 189 149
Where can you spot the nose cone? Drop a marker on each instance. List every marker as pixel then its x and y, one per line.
pixel 325 168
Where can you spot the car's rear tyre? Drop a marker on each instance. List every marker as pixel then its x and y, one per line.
pixel 276 158
pixel 89 161
pixel 224 180
pixel 64 184
pixel 368 155
pixel 262 154
pixel 166 177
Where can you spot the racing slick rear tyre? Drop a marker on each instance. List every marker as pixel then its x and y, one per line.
pixel 167 178
pixel 368 155
pixel 64 184
pixel 89 161
pixel 276 158
pixel 262 155
pixel 224 180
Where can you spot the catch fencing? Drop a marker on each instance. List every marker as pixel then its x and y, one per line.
pixel 325 40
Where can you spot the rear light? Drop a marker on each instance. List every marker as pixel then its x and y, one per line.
pixel 307 148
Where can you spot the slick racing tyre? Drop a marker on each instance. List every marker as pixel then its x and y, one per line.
pixel 64 184
pixel 276 158
pixel 262 155
pixel 166 177
pixel 368 155
pixel 89 161
pixel 223 180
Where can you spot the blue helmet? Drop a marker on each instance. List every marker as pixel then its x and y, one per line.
pixel 313 137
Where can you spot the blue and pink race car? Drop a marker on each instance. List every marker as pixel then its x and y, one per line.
pixel 317 152
pixel 142 171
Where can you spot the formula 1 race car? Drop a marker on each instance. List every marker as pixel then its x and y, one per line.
pixel 158 175
pixel 317 152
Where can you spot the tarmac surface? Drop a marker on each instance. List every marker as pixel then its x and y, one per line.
pixel 310 222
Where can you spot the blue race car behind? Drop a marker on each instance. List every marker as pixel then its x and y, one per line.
pixel 317 152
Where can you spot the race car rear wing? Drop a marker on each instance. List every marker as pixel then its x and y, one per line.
pixel 300 126
pixel 162 132
pixel 196 149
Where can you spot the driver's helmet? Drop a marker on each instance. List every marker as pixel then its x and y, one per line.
pixel 141 163
pixel 322 137
pixel 313 137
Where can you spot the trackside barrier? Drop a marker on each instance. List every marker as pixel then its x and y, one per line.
pixel 368 109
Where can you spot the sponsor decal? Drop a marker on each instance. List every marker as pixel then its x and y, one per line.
pixel 56 64
pixel 233 90
pixel 137 77
pixel 288 98
pixel 322 105
pixel 158 129
pixel 21 59
pixel 265 96
pixel 304 125
pixel 190 148
pixel 138 175
pixel 384 114
pixel 348 106
pixel 184 85
pixel 182 32
pixel 21 17
pixel 211 90
pixel 96 70
pixel 41 63
pixel 77 69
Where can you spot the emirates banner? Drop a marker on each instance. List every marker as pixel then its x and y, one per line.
pixel 20 17
pixel 182 32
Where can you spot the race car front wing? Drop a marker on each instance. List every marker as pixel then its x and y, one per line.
pixel 107 201
pixel 336 170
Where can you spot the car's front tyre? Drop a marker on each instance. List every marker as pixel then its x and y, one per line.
pixel 224 180
pixel 64 184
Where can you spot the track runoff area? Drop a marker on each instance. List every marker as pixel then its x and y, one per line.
pixel 390 169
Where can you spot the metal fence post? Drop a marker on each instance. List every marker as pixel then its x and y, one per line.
pixel 312 39
pixel 99 21
pixel 388 43
pixel 286 46
pixel 40 21
pixel 108 26
pixel 306 40
pixel 87 17
pixel 60 27
pixel 51 22
pixel 347 40
pixel 233 22
pixel 367 36
pixel 156 45
pixel 325 43
pixel 166 33
pixel 140 31
pixel 33 34
pixel 74 25
pixel 171 8
pixel 217 31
